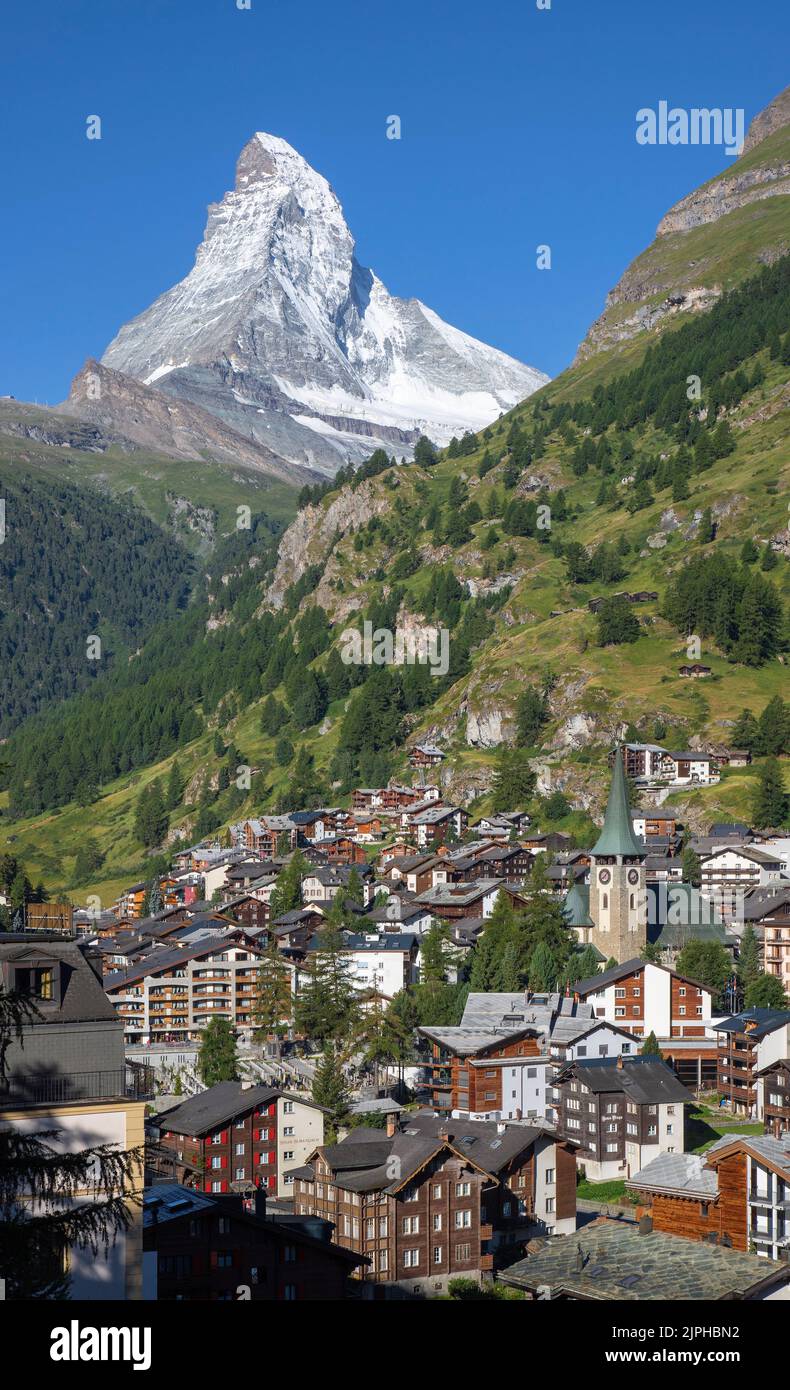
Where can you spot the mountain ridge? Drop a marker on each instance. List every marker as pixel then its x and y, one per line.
pixel 280 332
pixel 686 268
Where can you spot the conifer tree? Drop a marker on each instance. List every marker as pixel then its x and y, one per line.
pixel 330 1090
pixel 273 1004
pixel 770 804
pixel 287 891
pixel 175 786
pixel 218 1058
pixel 749 963
pixel 328 1003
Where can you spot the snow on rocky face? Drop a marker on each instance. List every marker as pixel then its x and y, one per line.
pixel 278 331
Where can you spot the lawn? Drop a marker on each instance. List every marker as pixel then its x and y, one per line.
pixel 602 1191
pixel 705 1124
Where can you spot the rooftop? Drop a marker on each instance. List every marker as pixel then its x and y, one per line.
pixel 611 1260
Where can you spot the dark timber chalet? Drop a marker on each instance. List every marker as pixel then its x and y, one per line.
pixel 200 1248
pixel 431 1199
pixel 737 1054
pixel 622 1111
pixel 737 1194
pixel 774 1082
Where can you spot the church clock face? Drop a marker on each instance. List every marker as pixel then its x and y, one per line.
pixel 633 875
pixel 604 876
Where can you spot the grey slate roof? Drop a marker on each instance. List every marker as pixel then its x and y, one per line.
pixel 764 1020
pixel 678 1173
pixel 619 1264
pixel 216 1106
pixel 645 1080
pixel 365 1160
pixel 83 998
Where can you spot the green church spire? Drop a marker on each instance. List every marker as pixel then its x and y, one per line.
pixel 617 836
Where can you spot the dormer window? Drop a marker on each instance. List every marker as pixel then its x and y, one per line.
pixel 36 981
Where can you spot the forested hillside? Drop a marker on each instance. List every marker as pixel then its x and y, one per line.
pixel 660 493
pixel 74 566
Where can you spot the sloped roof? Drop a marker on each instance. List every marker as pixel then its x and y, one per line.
pixel 617 835
pixel 618 1263
pixel 646 1080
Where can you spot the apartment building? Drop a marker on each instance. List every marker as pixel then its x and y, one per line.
pixel 68 1073
pixel 238 1134
pixel 738 1062
pixel 501 1061
pixel 621 1111
pixel 732 871
pixel 429 1199
pixel 171 995
pixel 645 998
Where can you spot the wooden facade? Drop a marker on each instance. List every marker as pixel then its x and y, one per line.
pixel 454 1084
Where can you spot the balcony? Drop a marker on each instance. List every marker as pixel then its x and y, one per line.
pixel 133 1082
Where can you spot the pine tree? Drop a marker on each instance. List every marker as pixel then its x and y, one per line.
pixel 273 1004
pixel 175 786
pixel 765 992
pixel 433 970
pixel 770 804
pixel 151 818
pixel 287 892
pixel 514 780
pixel 543 969
pixel 617 622
pixel 328 1004
pixel 583 965
pixel 330 1090
pixel 746 731
pixel 707 962
pixel 650 1047
pixel 749 963
pixel 218 1058
pixel 692 867
pixel 774 728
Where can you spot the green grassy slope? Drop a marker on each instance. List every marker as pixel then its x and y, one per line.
pixel 353 540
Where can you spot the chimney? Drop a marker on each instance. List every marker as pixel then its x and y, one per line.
pixel 619 1061
pixel 645 1225
pixel 392 1124
pixel 445 1135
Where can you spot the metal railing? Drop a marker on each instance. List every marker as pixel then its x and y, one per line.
pixel 130 1082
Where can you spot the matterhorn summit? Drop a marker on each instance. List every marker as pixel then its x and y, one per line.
pixel 281 334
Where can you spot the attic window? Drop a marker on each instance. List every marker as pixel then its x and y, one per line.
pixel 38 982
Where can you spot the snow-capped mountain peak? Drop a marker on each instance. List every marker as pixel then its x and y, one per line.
pixel 282 334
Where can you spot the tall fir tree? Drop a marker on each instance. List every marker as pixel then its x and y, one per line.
pixel 330 1090
pixel 218 1058
pixel 273 1005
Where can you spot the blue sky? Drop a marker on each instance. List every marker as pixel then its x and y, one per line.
pixel 517 130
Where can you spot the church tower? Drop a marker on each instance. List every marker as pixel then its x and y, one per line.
pixel 618 897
